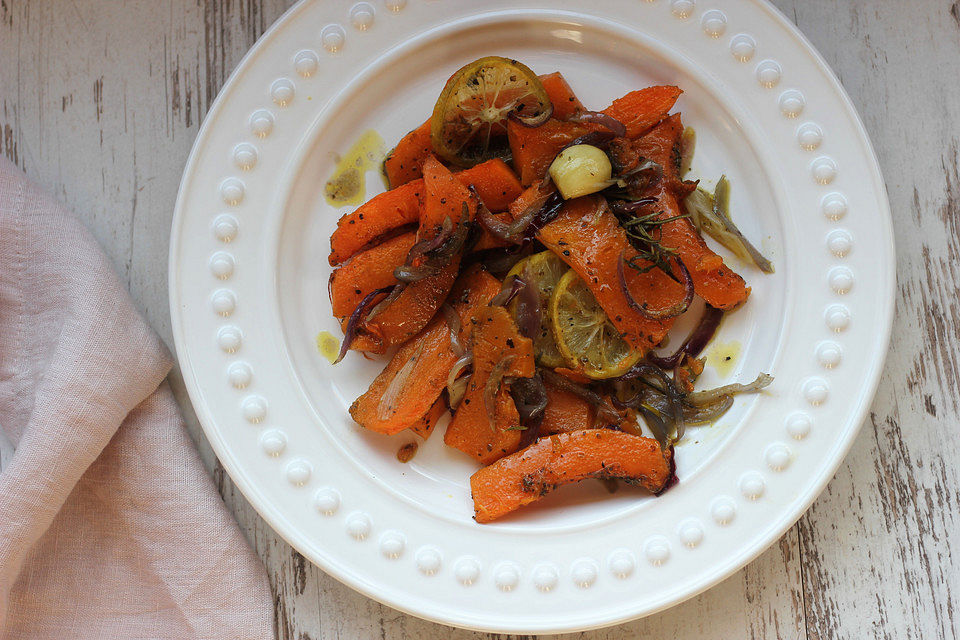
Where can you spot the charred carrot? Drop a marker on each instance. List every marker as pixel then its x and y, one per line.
pixel 587 236
pixel 367 271
pixel 403 164
pixel 528 475
pixel 432 358
pixel 494 181
pixel 642 109
pixel 497 343
pixel 713 280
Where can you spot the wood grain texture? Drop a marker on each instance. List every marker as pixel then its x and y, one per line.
pixel 100 102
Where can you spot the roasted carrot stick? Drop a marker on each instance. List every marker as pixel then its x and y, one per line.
pixel 496 343
pixel 403 317
pixel 642 109
pixel 587 236
pixel 407 314
pixel 432 358
pixel 375 218
pixel 404 162
pixel 367 271
pixel 565 103
pixel 444 196
pixel 713 281
pixel 495 183
pixel 493 180
pixel 528 475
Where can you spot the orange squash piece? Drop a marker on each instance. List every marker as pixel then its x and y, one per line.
pixel 565 102
pixel 534 149
pixel 528 475
pixel 587 236
pixel 444 196
pixel 425 425
pixel 433 357
pixel 374 219
pixel 662 145
pixel 713 280
pixel 494 181
pixel 565 412
pixel 403 317
pixel 403 165
pixel 642 109
pixel 408 313
pixel 367 271
pixel 495 337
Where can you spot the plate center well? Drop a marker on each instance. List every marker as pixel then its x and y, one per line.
pixel 396 95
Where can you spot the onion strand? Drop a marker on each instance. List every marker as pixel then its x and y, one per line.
pixel 674 310
pixel 357 317
pixel 615 126
pixel 456 386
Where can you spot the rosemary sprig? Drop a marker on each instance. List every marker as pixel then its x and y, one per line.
pixel 645 235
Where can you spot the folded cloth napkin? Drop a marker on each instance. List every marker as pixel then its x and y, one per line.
pixel 109 525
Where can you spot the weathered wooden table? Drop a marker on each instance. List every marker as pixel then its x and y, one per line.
pixel 101 101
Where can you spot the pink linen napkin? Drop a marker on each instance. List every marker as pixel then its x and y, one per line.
pixel 109 525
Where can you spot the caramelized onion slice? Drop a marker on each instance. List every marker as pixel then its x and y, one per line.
pixel 353 324
pixel 673 310
pixel 615 126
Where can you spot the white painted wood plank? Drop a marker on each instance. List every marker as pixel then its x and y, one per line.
pixel 100 103
pixel 876 545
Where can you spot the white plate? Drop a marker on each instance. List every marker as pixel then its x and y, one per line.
pixel 248 295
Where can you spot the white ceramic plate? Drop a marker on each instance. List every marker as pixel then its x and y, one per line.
pixel 248 294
